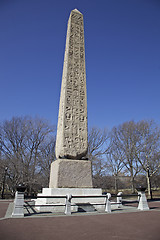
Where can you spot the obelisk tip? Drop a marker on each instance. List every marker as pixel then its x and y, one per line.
pixel 76 10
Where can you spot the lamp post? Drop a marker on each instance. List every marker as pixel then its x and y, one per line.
pixel 4 181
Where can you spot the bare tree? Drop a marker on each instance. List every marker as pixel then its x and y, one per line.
pixel 47 157
pixel 23 138
pixel 149 150
pixel 115 163
pixel 137 146
pixel 97 142
pixel 124 148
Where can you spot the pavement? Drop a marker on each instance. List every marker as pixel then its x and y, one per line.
pixel 125 224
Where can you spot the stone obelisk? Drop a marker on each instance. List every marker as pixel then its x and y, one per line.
pixel 71 169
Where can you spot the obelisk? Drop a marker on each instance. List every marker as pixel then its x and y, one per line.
pixel 72 169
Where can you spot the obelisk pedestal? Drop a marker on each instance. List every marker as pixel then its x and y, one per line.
pixel 70 174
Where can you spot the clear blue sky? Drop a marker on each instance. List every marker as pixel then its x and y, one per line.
pixel 122 41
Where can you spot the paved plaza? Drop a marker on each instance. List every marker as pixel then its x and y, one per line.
pixel 123 225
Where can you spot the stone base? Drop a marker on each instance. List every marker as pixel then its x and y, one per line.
pixel 143 205
pixel 18 205
pixel 59 203
pixel 70 174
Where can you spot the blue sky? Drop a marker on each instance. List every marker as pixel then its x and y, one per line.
pixel 122 41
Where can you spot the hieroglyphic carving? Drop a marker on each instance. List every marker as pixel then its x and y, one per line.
pixel 72 123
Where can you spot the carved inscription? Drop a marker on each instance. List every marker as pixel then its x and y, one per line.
pixel 75 109
pixel 74 122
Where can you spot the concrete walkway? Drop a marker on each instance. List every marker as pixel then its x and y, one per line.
pixel 137 225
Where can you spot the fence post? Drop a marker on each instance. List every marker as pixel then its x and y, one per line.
pixel 68 204
pixel 108 203
pixel 119 199
pixel 18 209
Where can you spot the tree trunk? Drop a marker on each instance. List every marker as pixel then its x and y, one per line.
pixel 116 184
pixel 132 183
pixel 149 184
